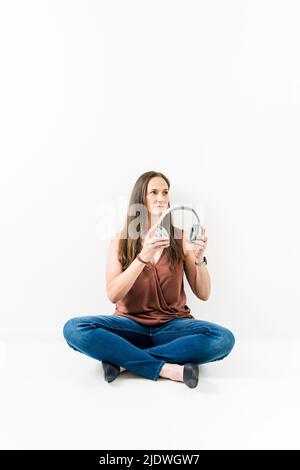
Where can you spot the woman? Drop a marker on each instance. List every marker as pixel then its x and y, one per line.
pixel 152 332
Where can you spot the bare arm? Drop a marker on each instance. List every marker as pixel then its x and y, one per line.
pixel 118 283
pixel 197 276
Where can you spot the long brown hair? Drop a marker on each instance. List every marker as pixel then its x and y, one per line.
pixel 130 247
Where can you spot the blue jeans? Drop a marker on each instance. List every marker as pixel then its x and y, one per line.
pixel 144 349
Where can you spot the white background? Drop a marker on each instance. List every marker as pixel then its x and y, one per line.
pixel 94 93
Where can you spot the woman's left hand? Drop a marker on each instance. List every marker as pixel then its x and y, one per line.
pixel 199 245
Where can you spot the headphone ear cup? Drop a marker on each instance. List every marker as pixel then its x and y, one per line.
pixel 160 232
pixel 194 232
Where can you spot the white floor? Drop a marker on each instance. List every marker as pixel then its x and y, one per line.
pixel 53 397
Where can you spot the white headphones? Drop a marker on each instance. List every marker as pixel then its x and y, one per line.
pixel 162 232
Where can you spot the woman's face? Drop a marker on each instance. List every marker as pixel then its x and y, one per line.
pixel 157 196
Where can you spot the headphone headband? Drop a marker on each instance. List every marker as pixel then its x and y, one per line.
pixel 177 207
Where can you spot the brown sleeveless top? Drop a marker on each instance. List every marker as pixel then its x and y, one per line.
pixel 157 294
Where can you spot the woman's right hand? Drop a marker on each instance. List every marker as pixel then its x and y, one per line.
pixel 152 244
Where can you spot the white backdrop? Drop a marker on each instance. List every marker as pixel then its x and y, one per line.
pixel 94 93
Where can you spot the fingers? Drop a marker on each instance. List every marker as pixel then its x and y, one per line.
pixel 201 241
pixel 198 242
pixel 203 236
pixel 159 241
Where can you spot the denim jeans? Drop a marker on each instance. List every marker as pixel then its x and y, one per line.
pixel 144 349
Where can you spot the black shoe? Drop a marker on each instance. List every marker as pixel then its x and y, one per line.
pixel 191 374
pixel 111 371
